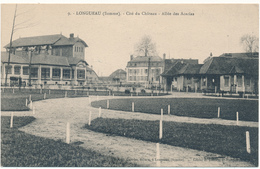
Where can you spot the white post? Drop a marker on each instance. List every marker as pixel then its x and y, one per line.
pixel 88 93
pixel 215 89
pixel 187 89
pixel 68 133
pixel 169 109
pixel 12 119
pixel 26 102
pixel 158 163
pixel 41 91
pixel 161 130
pixel 113 95
pixel 109 93
pixel 89 119
pixel 131 95
pixel 30 98
pixel 31 105
pixel 13 90
pixel 33 109
pixel 99 112
pixel 107 104
pixel 49 91
pixel 195 87
pixel 44 96
pixel 133 106
pixel 151 94
pixel 237 118
pixel 218 112
pixel 248 149
pixel 66 94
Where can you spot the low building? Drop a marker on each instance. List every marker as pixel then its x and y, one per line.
pixel 46 60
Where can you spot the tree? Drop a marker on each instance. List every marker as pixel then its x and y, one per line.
pixel 250 43
pixel 148 49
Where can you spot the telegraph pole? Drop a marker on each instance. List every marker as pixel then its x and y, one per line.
pixel 10 47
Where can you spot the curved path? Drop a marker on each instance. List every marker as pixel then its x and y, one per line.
pixel 52 116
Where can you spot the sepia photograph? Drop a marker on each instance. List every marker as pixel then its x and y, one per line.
pixel 129 85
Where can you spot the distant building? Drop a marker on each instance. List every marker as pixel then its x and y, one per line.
pixel 47 60
pixel 137 70
pixel 117 77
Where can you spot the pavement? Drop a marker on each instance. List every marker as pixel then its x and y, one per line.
pixel 53 115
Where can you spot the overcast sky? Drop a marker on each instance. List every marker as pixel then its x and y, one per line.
pixel 111 39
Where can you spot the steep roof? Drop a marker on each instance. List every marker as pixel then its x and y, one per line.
pixel 229 65
pixel 145 59
pixel 56 40
pixel 190 69
pixel 13 58
pixel 174 70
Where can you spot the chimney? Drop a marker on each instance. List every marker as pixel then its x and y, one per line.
pixel 210 53
pixel 164 56
pixel 91 67
pixel 72 35
pixel 131 57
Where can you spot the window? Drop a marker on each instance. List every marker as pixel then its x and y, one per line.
pixel 80 74
pixel 226 81
pixel 45 73
pixel 34 72
pixel 145 71
pixel 17 70
pixel 8 69
pixel 56 73
pixel 239 80
pixel 66 73
pixel 247 81
pixel 25 70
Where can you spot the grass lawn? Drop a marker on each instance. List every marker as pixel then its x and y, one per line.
pixel 199 107
pixel 19 149
pixel 225 140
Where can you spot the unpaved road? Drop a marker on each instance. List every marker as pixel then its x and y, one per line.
pixel 52 116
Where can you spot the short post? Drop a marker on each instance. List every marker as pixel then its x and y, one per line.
pixel 237 118
pixel 44 96
pixel 248 149
pixel 49 91
pixel 66 93
pixel 169 109
pixel 109 93
pixel 68 133
pixel 33 109
pixel 218 112
pixel 31 105
pixel 88 93
pixel 13 90
pixel 113 95
pixel 12 119
pixel 131 95
pixel 75 92
pixel 187 89
pixel 99 112
pixel 151 94
pixel 26 102
pixel 30 98
pixel 195 87
pixel 133 106
pixel 107 104
pixel 161 130
pixel 158 163
pixel 89 118
pixel 40 91
pixel 215 89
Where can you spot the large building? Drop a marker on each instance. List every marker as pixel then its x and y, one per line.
pixel 47 60
pixel 137 70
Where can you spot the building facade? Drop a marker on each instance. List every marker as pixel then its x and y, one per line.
pixel 144 70
pixel 46 61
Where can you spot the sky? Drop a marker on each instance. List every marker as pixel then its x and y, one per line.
pixel 213 28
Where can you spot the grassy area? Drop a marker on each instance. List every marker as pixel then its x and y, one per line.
pixel 225 140
pixel 199 107
pixel 19 149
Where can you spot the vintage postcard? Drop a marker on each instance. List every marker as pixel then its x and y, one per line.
pixel 129 85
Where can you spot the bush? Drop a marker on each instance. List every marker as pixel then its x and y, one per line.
pixel 127 91
pixel 142 91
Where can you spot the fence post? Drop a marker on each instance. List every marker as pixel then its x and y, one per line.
pixel 158 163
pixel 161 130
pixel 131 95
pixel 169 109
pixel 113 95
pixel 49 91
pixel 68 133
pixel 12 119
pixel 237 118
pixel 215 90
pixel 248 149
pixel 107 104
pixel 26 102
pixel 133 106
pixel 13 90
pixel 89 119
pixel 41 91
pixel 218 112
pixel 30 98
pixel 99 112
pixel 44 96
pixel 31 105
pixel 88 93
pixel 66 94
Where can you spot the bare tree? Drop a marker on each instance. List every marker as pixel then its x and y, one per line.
pixel 148 49
pixel 16 27
pixel 250 43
